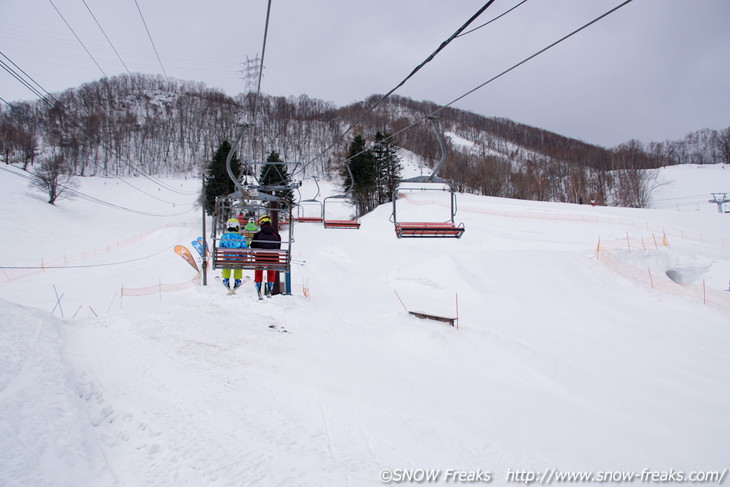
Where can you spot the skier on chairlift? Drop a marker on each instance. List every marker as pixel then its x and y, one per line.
pixel 266 238
pixel 232 239
pixel 250 230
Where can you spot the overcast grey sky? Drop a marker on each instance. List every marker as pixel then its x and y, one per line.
pixel 653 70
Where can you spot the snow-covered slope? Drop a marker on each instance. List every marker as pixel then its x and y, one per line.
pixel 563 358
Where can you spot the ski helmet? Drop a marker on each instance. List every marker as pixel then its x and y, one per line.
pixel 232 224
pixel 264 219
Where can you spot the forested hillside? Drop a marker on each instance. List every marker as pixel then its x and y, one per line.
pixel 132 124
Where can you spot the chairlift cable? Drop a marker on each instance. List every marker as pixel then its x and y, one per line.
pixel 489 22
pixel 412 73
pixel 529 58
pixel 541 51
pixel 237 142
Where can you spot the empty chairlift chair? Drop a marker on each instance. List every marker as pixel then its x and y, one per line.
pixel 310 216
pixel 428 229
pixel 353 224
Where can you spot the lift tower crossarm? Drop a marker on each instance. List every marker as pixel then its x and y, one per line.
pixel 719 199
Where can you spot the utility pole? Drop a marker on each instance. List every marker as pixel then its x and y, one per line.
pixel 205 241
pixel 274 205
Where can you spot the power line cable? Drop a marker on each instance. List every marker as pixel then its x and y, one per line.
pixel 106 36
pixel 150 36
pixel 93 199
pixel 124 208
pixel 78 38
pixel 112 173
pixel 108 171
pixel 55 103
pixel 17 77
pixel 23 81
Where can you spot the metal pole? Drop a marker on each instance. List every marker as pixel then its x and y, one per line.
pixel 442 145
pixel 205 244
pixel 274 214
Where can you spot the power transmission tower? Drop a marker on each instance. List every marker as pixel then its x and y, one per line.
pixel 251 70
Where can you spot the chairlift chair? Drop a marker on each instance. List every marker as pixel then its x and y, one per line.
pixel 265 198
pixel 428 229
pixel 338 224
pixel 253 259
pixel 311 202
pixel 249 259
pixel 353 224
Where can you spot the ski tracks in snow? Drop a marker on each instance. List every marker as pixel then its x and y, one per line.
pixel 136 377
pixel 348 442
pixel 152 430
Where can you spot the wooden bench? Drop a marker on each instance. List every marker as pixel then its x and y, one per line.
pixel 342 224
pixel 251 259
pixel 428 230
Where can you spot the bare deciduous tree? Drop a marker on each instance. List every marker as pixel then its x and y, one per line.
pixel 53 177
pixel 723 145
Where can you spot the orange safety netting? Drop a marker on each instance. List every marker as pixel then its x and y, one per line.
pixel 561 215
pixel 161 288
pixel 661 282
pixel 14 274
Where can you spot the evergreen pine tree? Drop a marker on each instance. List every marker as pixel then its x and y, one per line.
pixel 273 174
pixel 218 182
pixel 388 166
pixel 362 186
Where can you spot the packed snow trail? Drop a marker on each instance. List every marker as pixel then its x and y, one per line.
pixel 558 361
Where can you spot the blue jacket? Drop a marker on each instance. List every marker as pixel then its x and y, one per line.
pixel 233 240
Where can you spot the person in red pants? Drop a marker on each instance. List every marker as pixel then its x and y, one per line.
pixel 265 238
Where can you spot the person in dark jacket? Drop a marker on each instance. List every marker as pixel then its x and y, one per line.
pixel 265 238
